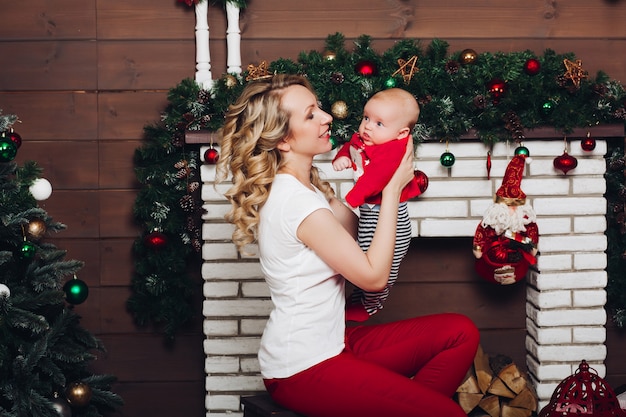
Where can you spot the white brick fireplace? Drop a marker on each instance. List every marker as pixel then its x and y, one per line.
pixel 565 301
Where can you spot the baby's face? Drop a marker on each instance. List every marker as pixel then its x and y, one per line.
pixel 381 122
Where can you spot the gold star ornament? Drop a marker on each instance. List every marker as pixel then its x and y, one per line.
pixel 574 71
pixel 258 72
pixel 407 69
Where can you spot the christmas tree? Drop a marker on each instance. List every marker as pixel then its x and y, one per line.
pixel 44 352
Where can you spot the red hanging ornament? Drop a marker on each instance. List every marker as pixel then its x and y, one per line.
pixel 155 240
pixel 532 66
pixel 588 144
pixel 488 165
pixel 565 162
pixel 15 138
pixel 497 89
pixel 211 156
pixel 366 68
pixel 422 180
pixel 583 394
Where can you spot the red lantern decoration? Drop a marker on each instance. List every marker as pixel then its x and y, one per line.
pixel 588 144
pixel 422 180
pixel 211 156
pixel 532 66
pixel 155 240
pixel 496 88
pixel 366 68
pixel 583 394
pixel 565 162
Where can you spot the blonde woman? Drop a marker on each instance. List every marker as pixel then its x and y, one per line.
pixel 310 362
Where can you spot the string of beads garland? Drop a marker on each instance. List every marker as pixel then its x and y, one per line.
pixel 497 95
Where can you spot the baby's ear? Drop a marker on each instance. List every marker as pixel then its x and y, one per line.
pixel 403 133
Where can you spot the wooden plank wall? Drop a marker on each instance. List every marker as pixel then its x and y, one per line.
pixel 85 77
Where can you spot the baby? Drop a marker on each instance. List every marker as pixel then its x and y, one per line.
pixel 373 153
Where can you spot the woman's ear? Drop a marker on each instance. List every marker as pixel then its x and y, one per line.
pixel 283 145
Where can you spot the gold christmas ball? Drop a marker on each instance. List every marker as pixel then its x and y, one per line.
pixel 468 56
pixel 230 81
pixel 36 229
pixel 78 394
pixel 330 55
pixel 339 109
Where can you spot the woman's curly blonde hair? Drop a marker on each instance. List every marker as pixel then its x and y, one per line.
pixel 253 127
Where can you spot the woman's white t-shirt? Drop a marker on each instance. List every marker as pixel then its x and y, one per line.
pixel 306 325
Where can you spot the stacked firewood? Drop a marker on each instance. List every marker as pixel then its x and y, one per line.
pixel 495 387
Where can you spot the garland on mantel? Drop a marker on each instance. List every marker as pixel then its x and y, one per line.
pixel 496 95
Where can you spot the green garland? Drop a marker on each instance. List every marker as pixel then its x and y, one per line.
pixel 455 94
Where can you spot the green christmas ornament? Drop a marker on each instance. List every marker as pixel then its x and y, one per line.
pixel 8 150
pixel 390 82
pixel 547 108
pixel 27 250
pixel 76 291
pixel 522 150
pixel 447 159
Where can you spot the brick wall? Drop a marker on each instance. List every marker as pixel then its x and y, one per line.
pixel 565 301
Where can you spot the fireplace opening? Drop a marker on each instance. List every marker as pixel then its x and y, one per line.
pixel 437 275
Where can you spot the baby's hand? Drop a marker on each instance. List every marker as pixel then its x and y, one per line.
pixel 341 163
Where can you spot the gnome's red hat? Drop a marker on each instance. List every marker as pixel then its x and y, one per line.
pixel 510 191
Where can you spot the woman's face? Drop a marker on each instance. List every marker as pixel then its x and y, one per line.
pixel 309 126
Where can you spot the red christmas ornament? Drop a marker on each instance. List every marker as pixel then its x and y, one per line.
pixel 422 180
pixel 565 162
pixel 366 68
pixel 155 240
pixel 489 165
pixel 211 156
pixel 532 66
pixel 15 138
pixel 496 88
pixel 588 144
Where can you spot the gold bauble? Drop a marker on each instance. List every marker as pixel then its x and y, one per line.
pixel 468 56
pixel 230 81
pixel 78 394
pixel 36 229
pixel 339 109
pixel 330 55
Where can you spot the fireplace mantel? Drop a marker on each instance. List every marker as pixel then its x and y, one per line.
pixel 565 316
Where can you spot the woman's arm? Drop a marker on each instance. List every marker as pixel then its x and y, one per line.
pixel 345 216
pixel 327 236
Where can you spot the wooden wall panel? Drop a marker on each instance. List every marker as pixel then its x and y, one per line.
pixel 79 210
pixel 145 19
pixel 144 357
pixel 429 18
pixel 144 65
pixel 66 164
pixel 116 214
pixel 48 65
pixel 161 399
pixel 115 164
pixel 124 115
pixel 117 261
pixel 52 116
pixel 44 19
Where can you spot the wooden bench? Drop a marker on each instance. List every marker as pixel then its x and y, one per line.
pixel 262 405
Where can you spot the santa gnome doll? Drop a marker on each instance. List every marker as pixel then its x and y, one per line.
pixel 505 242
